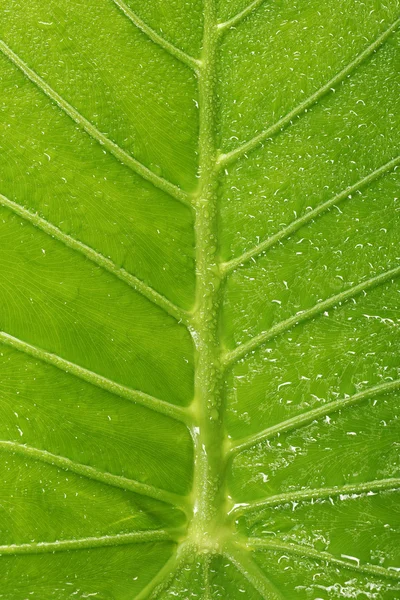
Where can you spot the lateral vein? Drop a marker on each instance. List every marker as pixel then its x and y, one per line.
pixel 316 494
pixel 311 415
pixel 137 537
pixel 125 158
pixel 163 579
pixel 186 59
pixel 294 226
pixel 241 351
pixel 236 19
pixel 136 396
pixel 92 473
pixel 298 550
pixel 230 157
pixel 252 572
pixel 206 565
pixel 96 257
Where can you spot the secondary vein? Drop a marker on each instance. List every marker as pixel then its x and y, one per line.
pixel 186 59
pixel 298 550
pixel 137 537
pixel 136 396
pixel 96 257
pixel 316 494
pixel 125 158
pixel 305 219
pixel 92 473
pixel 251 571
pixel 311 415
pixel 163 579
pixel 241 351
pixel 239 17
pixel 229 158
pixel 206 565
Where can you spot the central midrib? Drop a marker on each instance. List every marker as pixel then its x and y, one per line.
pixel 208 434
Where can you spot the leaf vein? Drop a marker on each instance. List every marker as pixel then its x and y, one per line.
pixel 240 351
pixel 239 17
pixel 251 571
pixel 136 396
pixel 96 257
pixel 305 219
pixel 231 157
pixel 93 473
pixel 311 415
pixel 189 61
pixel 163 579
pixel 206 566
pixel 324 556
pixel 317 493
pixel 125 158
pixel 137 537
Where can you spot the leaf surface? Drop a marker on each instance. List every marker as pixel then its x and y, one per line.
pixel 199 294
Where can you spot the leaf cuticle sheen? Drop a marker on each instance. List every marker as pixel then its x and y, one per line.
pixel 199 327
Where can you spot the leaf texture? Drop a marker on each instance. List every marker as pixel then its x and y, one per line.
pixel 199 325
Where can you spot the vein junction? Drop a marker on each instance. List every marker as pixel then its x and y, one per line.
pixel 191 62
pixel 209 530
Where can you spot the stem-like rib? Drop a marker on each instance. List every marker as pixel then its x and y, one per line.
pixel 92 473
pixel 137 537
pixel 305 315
pixel 257 543
pixel 208 435
pixel 187 60
pixel 317 493
pixel 293 227
pixel 175 412
pixel 231 157
pixel 125 158
pixel 239 17
pixel 105 263
pixel 311 415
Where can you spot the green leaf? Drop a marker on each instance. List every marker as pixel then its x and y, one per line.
pixel 199 346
